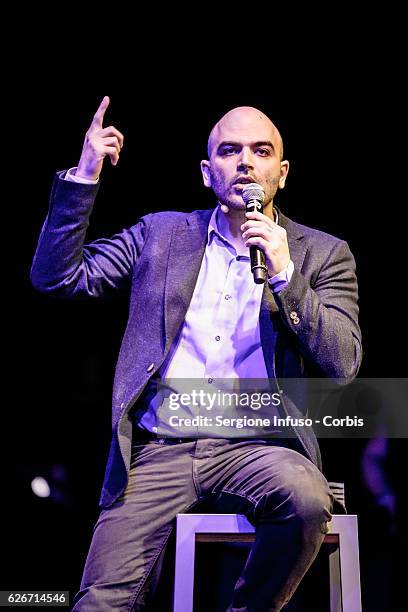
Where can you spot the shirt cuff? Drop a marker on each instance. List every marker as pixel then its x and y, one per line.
pixel 71 176
pixel 281 280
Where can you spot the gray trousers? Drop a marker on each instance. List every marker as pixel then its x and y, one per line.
pixel 281 492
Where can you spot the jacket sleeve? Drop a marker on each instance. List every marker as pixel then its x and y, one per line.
pixel 63 266
pixel 323 315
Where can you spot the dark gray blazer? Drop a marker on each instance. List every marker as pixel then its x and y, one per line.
pixel 323 340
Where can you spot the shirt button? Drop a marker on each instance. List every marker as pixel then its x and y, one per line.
pixel 293 314
pixel 154 429
pixel 210 380
pixel 122 404
pixel 150 368
pixel 296 321
pixel 218 338
pixel 227 297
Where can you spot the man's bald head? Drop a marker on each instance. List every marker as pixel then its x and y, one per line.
pixel 244 146
pixel 245 118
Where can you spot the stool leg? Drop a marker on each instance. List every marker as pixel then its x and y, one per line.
pixel 184 569
pixel 345 566
pixel 335 578
pixel 187 527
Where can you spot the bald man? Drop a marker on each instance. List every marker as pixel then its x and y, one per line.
pixel 209 322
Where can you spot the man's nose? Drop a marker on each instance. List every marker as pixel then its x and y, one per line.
pixel 245 159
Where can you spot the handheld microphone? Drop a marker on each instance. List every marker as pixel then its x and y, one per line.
pixel 254 196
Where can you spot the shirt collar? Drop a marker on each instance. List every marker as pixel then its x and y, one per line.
pixel 213 226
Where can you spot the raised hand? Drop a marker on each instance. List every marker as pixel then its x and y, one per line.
pixel 99 143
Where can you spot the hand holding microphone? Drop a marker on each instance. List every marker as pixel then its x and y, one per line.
pixel 267 241
pixel 254 196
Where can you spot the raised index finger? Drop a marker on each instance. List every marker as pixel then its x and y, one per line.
pixel 98 117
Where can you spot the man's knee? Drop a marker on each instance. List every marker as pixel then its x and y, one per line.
pixel 300 491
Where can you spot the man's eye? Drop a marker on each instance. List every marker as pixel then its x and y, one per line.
pixel 229 151
pixel 263 152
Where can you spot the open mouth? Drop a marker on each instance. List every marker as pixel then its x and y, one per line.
pixel 244 180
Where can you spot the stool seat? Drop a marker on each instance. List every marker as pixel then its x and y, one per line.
pixel 344 567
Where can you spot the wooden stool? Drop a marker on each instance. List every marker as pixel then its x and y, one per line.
pixel 344 566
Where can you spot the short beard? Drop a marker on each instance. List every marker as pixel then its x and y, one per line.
pixel 218 188
pixel 234 205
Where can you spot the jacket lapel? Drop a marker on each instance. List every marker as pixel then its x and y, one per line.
pixel 297 246
pixel 269 318
pixel 187 247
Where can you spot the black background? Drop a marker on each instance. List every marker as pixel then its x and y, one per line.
pixel 337 100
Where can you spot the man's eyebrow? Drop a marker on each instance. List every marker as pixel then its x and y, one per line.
pixel 264 143
pixel 228 143
pixel 231 143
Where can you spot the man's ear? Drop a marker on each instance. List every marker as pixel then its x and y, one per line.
pixel 284 169
pixel 205 171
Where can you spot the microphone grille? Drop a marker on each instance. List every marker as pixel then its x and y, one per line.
pixel 253 191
